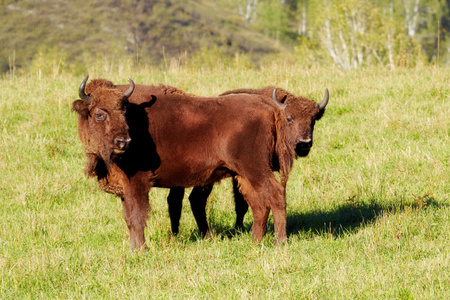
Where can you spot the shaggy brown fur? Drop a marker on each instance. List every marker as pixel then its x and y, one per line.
pixel 301 114
pixel 100 145
pixel 95 84
pixel 167 89
pixel 179 141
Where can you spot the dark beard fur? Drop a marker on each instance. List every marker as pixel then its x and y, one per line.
pixel 302 152
pixel 109 158
pixel 98 165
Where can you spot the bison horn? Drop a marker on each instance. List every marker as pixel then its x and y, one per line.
pixel 324 101
pixel 130 89
pixel 82 93
pixel 274 97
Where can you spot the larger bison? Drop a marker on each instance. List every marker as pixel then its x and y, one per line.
pixel 301 114
pixel 138 137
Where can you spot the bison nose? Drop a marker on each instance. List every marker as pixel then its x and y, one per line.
pixel 121 143
pixel 305 144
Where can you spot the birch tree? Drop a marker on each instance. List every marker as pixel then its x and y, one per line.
pixel 302 8
pixel 247 9
pixel 356 33
pixel 411 16
pixel 421 22
pixel 346 29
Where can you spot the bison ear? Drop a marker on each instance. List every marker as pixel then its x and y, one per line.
pixel 81 107
pixel 320 115
pixel 321 106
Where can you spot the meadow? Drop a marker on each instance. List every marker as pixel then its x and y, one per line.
pixel 368 209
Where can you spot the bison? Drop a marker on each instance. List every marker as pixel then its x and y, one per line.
pixel 140 136
pixel 301 114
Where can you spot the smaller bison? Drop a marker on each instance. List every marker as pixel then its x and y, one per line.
pixel 140 136
pixel 301 114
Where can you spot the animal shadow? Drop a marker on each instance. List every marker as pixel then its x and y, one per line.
pixel 344 219
pixel 352 215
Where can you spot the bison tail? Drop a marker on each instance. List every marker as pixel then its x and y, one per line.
pixel 283 148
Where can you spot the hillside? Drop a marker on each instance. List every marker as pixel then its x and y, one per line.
pixel 148 30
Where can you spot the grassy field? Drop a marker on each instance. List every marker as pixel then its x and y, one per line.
pixel 368 209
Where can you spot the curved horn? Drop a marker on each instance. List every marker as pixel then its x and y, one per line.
pixel 130 89
pixel 324 101
pixel 82 93
pixel 274 97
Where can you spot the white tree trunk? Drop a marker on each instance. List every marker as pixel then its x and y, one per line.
pixel 246 10
pixel 390 48
pixel 328 42
pixel 303 23
pixel 411 17
pixel 249 11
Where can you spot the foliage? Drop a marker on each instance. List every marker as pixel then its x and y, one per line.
pixel 146 31
pixel 272 18
pixel 349 33
pixel 356 32
pixel 359 33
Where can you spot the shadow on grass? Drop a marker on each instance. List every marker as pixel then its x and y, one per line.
pixel 352 216
pixel 347 218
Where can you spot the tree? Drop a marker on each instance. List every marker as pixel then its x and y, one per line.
pixel 272 18
pixel 411 16
pixel 246 9
pixel 348 29
pixel 303 12
pixel 362 32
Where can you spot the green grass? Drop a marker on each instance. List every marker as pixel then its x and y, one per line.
pixel 368 209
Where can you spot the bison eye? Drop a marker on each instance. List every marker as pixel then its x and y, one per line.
pixel 100 116
pixel 290 120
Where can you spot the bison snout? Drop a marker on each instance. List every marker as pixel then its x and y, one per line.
pixel 303 147
pixel 305 144
pixel 121 144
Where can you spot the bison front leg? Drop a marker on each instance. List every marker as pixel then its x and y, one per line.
pixel 175 204
pixel 135 211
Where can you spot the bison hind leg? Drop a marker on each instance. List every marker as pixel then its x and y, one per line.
pixel 260 209
pixel 198 198
pixel 175 204
pixel 268 194
pixel 241 207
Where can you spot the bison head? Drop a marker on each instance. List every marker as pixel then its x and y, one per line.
pixel 102 126
pixel 301 114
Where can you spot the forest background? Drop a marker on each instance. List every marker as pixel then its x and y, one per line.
pixel 62 34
